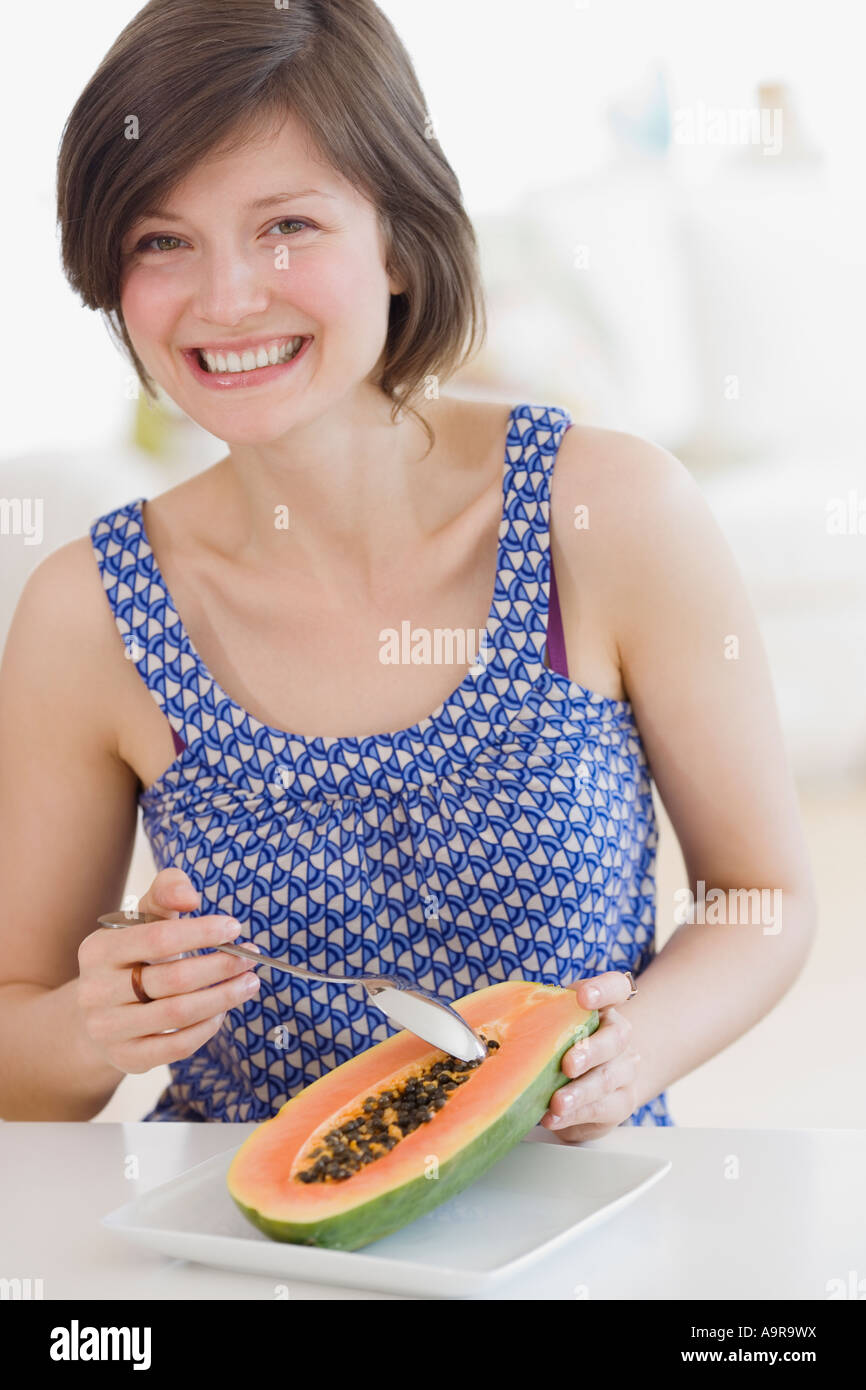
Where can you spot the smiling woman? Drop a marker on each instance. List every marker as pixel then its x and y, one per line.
pixel 335 80
pixel 198 660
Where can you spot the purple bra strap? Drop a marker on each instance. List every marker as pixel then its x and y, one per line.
pixel 555 638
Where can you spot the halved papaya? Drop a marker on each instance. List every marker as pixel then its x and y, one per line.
pixel 387 1136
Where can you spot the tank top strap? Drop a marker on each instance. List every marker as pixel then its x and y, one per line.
pixel 533 442
pixel 150 628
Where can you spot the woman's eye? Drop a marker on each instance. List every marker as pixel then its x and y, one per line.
pixel 150 242
pixel 164 243
pixel 291 222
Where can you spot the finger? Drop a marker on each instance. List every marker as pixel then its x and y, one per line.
pixel 598 991
pixel 171 891
pixel 156 941
pixel 610 1037
pixel 567 1103
pixel 107 988
pixel 143 1054
pixel 179 977
pixel 600 1116
pixel 137 1020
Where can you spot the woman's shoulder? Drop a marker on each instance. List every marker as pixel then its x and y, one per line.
pixel 63 601
pixel 630 519
pixel 622 490
pixel 616 463
pixel 63 645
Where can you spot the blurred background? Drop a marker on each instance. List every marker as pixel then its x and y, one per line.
pixel 670 205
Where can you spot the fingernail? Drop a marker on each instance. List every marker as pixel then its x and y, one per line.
pixel 591 994
pixel 252 984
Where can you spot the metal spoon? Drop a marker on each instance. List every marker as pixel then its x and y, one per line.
pixel 402 1001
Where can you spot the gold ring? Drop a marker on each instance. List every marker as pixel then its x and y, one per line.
pixel 140 991
pixel 632 984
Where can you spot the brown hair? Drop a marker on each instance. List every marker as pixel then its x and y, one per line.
pixel 201 75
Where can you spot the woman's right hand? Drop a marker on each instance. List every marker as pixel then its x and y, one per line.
pixel 190 996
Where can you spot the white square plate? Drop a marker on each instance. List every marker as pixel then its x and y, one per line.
pixel 538 1197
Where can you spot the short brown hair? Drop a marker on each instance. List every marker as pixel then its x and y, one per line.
pixel 201 75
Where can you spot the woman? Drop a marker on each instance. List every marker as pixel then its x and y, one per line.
pixel 250 195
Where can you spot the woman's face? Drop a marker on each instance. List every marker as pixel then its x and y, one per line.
pixel 252 251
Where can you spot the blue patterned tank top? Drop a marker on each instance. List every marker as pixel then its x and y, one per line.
pixel 508 835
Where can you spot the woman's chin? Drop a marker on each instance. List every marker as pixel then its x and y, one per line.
pixel 256 432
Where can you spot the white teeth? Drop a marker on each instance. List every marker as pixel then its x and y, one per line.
pixel 282 350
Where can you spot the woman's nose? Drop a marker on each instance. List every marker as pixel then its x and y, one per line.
pixel 231 288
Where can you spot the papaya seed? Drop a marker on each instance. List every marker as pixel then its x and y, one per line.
pixel 386 1118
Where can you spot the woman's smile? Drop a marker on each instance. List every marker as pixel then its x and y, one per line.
pixel 223 368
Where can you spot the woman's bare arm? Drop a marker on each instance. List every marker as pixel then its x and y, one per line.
pixel 67 823
pixel 658 575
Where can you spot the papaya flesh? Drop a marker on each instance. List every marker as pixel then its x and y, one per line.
pixel 403 1127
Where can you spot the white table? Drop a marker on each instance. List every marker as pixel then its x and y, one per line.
pixel 794 1218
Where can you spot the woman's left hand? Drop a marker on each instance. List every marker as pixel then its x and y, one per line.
pixel 605 1065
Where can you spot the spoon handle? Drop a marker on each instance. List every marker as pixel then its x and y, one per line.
pixel 134 919
pixel 258 959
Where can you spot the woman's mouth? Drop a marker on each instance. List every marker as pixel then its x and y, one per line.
pixel 223 369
